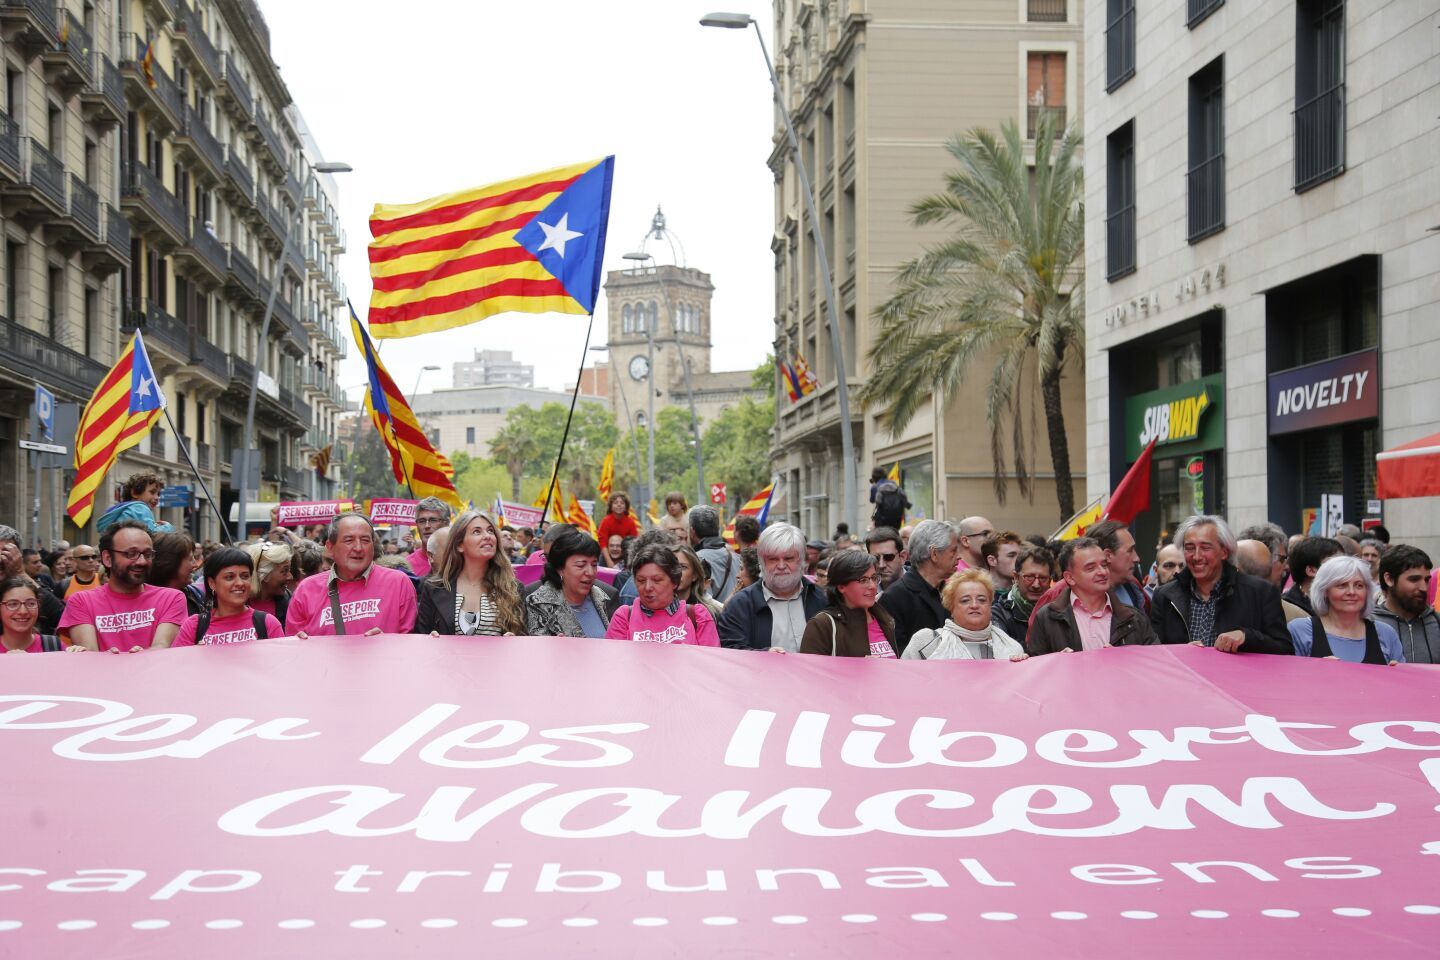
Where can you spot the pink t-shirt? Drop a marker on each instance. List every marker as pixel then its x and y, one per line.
pixel 239 628
pixel 662 627
pixel 384 599
pixel 123 621
pixel 35 646
pixel 879 645
pixel 1094 627
pixel 419 562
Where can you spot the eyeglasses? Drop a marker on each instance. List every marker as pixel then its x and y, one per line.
pixel 885 557
pixel 870 581
pixel 133 555
pixel 14 605
pixel 1036 577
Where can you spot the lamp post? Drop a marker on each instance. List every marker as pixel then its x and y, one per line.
pixel 423 370
pixel 625 401
pixel 685 367
pixel 247 438
pixel 650 393
pixel 739 21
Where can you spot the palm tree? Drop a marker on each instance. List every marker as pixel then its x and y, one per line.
pixel 1006 288
pixel 514 445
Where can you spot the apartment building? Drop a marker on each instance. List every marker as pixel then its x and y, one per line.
pixel 1263 268
pixel 876 88
pixel 163 185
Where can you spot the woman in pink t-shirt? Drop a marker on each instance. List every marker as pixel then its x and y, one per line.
pixel 658 615
pixel 19 609
pixel 227 617
pixel 853 625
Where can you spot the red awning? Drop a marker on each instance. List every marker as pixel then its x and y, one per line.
pixel 1410 470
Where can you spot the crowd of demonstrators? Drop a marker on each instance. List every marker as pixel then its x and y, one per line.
pixel 934 590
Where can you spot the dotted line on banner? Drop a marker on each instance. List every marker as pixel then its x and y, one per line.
pixel 444 923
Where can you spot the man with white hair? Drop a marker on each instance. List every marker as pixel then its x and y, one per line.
pixel 914 600
pixel 771 614
pixel 1212 604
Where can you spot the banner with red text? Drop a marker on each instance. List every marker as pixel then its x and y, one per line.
pixel 447 797
pixel 393 511
pixel 301 513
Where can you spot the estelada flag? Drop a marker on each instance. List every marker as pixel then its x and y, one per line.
pixel 121 411
pixel 534 244
pixel 758 506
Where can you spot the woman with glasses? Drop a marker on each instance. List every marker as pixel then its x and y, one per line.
pixel 19 609
pixel 473 590
pixel 275 568
pixel 87 575
pixel 853 625
pixel 968 633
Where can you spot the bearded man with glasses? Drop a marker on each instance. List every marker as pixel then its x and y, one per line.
pixel 126 614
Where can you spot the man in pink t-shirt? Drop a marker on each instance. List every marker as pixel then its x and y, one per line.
pixel 371 599
pixel 127 614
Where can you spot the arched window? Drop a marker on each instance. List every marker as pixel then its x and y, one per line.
pixel 684 324
pixel 626 323
pixel 653 319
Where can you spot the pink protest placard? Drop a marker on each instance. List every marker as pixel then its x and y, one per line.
pixel 552 797
pixel 302 512
pixel 393 511
pixel 519 515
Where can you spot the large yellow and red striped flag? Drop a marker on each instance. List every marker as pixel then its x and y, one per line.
pixel 529 245
pixel 121 411
pixel 578 518
pixel 414 461
pixel 606 486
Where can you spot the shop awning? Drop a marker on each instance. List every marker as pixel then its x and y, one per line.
pixel 1410 470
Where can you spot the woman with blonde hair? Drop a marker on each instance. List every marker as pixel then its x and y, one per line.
pixel 472 591
pixel 968 633
pixel 275 573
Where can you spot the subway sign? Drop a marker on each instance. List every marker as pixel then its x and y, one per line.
pixel 1325 394
pixel 1182 419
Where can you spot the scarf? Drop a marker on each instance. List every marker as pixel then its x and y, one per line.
pixel 974 636
pixel 1018 601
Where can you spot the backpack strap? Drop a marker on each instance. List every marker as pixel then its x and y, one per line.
pixel 202 626
pixel 335 613
pixel 257 617
pixel 1373 653
pixel 834 635
pixel 49 643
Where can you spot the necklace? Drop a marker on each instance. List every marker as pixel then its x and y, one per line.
pixel 468 623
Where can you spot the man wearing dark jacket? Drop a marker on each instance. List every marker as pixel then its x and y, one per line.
pixel 1210 603
pixel 1305 559
pixel 914 600
pixel 772 614
pixel 1086 615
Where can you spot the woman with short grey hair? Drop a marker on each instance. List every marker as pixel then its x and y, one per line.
pixel 1343 626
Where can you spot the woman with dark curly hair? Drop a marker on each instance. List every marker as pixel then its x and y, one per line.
pixel 659 614
pixel 174 567
pixel 473 590
pixel 568 602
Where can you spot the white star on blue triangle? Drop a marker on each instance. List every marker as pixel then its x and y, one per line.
pixel 145 392
pixel 568 236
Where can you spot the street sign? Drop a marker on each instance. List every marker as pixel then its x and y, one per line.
pixel 179 495
pixel 45 411
pixel 43 447
pixel 717 493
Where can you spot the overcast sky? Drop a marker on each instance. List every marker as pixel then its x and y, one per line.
pixel 429 96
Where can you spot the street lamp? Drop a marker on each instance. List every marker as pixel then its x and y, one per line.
pixel 684 366
pixel 650 392
pixel 625 401
pixel 423 370
pixel 739 21
pixel 248 437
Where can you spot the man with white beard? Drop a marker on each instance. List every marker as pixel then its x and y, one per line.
pixel 771 615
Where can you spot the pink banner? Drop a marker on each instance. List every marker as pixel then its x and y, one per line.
pixel 304 512
pixel 558 798
pixel 519 515
pixel 393 511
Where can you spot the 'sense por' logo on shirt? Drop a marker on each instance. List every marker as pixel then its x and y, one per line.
pixel 668 635
pixel 129 620
pixel 354 610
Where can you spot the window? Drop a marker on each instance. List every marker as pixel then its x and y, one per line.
pixel 1319 91
pixel 1206 179
pixel 14 92
pixel 1044 92
pixel 1120 202
pixel 1119 42
pixel 55 130
pixel 14 278
pixel 627 324
pixel 1200 9
pixel 470 435
pixel 91 341
pixel 55 302
pixel 1045 11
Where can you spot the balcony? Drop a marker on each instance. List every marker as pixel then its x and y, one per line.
pixel 284 314
pixel 32 356
pixel 292 187
pixel 155 211
pixel 293 478
pixel 1034 116
pixel 40 191
pixel 30 25
pixel 300 408
pixel 70 64
pixel 241 373
pixel 160 329
pixel 1045 11
pixel 295 260
pixel 10 166
pixel 149 89
pixel 85 208
pixel 243 278
pixel 195 141
pixel 211 358
pixel 112 251
pixel 240 184
pixel 1206 183
pixel 1320 138
pixel 117 234
pixel 1198 10
pixel 271 238
pixel 203 252
pixel 205 456
pixel 278 223
pixel 275 152
pixel 1120 243
pixel 103 101
pixel 190 36
pixel 236 91
pixel 1120 48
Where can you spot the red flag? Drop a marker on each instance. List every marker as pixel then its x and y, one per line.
pixel 1132 496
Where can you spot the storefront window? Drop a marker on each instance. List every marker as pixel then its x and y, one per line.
pixel 917 476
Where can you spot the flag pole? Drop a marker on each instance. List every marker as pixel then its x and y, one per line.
pixel 180 441
pixel 574 395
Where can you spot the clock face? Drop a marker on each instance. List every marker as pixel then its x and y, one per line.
pixel 639 368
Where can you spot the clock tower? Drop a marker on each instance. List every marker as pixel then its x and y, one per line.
pixel 658 298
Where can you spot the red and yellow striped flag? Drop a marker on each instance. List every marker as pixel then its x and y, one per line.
pixel 121 411
pixel 579 519
pixel 414 460
pixel 530 245
pixel 606 486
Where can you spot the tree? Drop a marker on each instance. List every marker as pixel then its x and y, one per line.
pixel 530 439
pixel 369 469
pixel 515 446
pixel 1007 288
